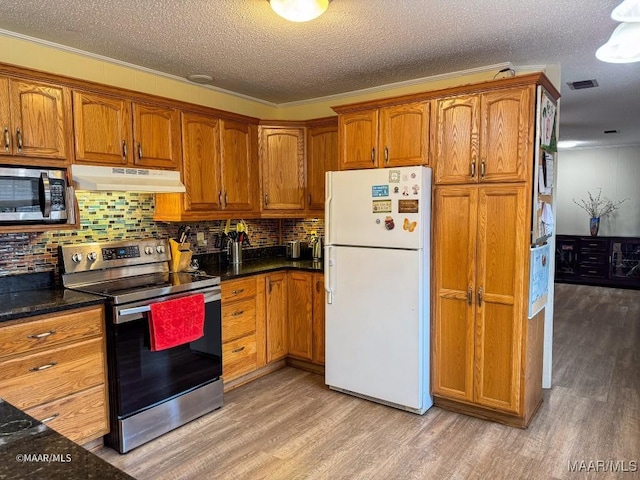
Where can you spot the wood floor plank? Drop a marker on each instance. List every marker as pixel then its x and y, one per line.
pixel 288 425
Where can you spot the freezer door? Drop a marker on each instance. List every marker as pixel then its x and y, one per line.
pixel 377 325
pixel 387 208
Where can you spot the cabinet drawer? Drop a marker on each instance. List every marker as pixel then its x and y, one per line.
pixel 80 417
pixel 238 289
pixel 238 319
pixel 595 271
pixel 34 379
pixel 594 246
pixel 239 357
pixel 594 258
pixel 23 336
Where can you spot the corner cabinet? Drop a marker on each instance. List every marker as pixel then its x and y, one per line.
pixel 322 157
pixel 485 137
pixel 390 136
pixel 35 119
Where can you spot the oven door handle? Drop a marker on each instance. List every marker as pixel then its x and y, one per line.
pixel 134 310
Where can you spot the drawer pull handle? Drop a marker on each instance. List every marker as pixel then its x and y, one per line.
pixel 237 350
pixel 42 335
pixel 237 292
pixel 43 367
pixel 238 313
pixel 48 419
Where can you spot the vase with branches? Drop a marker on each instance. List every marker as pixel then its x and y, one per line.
pixel 598 207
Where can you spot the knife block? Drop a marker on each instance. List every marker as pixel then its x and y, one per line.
pixel 180 256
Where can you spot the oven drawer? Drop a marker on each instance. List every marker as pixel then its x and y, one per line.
pixel 239 357
pixel 238 319
pixel 238 289
pixel 80 417
pixel 34 379
pixel 24 336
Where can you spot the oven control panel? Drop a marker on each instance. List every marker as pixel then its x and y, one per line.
pixel 116 253
pixel 105 255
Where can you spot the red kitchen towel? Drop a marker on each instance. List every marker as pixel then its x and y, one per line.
pixel 175 322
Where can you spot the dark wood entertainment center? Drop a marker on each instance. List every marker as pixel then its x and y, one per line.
pixel 605 261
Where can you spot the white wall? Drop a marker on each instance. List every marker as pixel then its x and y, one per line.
pixel 617 171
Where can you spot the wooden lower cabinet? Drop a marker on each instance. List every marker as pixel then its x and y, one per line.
pixel 300 315
pixel 243 344
pixel 481 335
pixel 54 367
pixel 318 318
pixel 276 315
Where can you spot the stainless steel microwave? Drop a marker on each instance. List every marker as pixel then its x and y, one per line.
pixel 32 195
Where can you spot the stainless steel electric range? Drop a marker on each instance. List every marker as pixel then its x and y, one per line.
pixel 150 392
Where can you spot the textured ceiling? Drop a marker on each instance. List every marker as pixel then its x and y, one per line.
pixel 356 44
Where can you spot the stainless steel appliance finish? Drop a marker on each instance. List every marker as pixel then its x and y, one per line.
pixel 293 249
pixel 150 392
pixel 32 195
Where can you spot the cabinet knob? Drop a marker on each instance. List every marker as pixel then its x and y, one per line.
pixel 470 296
pixel 386 155
pixel 139 151
pixel 480 297
pixel 373 155
pixel 7 139
pixel 19 137
pixel 483 168
pixel 266 199
pixel 473 168
pixel 124 149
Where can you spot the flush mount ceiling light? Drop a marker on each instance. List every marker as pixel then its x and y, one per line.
pixel 299 10
pixel 623 46
pixel 627 11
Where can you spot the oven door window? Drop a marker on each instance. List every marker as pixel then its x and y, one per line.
pixel 145 378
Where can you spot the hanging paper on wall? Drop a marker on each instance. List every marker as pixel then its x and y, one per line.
pixel 548 110
pixel 538 279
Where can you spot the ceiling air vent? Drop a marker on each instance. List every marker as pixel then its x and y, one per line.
pixel 611 131
pixel 582 84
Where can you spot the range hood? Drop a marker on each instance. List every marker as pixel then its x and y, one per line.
pixel 124 179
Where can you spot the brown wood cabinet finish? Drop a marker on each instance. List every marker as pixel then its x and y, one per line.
pixel 484 137
pixel 156 133
pixel 35 120
pixel 239 166
pixel 300 314
pixel 54 366
pixel 283 168
pixel 391 136
pixel 276 315
pixel 322 157
pixel 479 287
pixel 318 319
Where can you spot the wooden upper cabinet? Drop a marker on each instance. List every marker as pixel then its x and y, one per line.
pixel 282 162
pixel 102 129
pixel 391 136
pixel 201 162
pixel 35 119
pixel 357 139
pixel 322 157
pixel 238 165
pixel 507 135
pixel 404 135
pixel 486 137
pixel 455 150
pixel 156 134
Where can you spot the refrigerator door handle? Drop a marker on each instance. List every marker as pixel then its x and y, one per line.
pixel 328 211
pixel 328 269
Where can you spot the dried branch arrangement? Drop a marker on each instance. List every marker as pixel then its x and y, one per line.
pixel 598 206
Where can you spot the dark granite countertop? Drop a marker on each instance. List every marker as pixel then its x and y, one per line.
pixel 29 449
pixel 260 265
pixel 34 294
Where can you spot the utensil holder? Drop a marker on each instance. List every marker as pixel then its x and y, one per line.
pixel 236 253
pixel 180 256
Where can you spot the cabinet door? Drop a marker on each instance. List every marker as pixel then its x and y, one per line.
pixel 276 313
pixel 238 165
pixel 282 162
pixel 501 269
pixel 318 318
pixel 507 134
pixel 454 251
pixel 404 134
pixel 5 118
pixel 357 140
pixel 39 119
pixel 200 162
pixel 156 132
pixel 102 129
pixel 456 148
pixel 300 314
pixel 322 157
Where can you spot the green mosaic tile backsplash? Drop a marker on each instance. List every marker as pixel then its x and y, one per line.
pixel 119 216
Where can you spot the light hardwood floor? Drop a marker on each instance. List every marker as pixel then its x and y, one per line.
pixel 288 425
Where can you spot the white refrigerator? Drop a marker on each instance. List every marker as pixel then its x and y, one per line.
pixel 377 261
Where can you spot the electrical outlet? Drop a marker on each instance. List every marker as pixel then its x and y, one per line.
pixel 200 236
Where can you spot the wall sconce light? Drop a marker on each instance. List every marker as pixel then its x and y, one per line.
pixel 627 11
pixel 299 10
